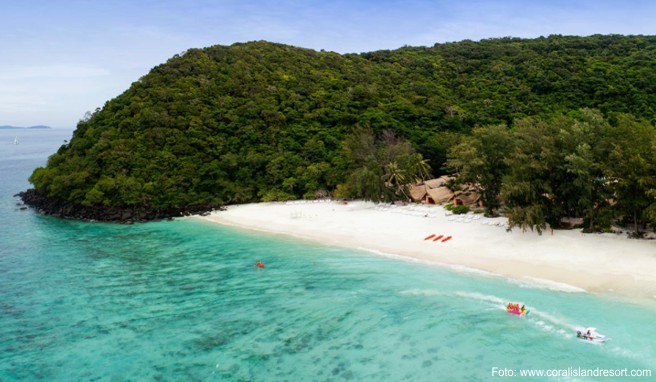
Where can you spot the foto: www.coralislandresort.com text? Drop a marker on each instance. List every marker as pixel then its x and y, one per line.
pixel 571 372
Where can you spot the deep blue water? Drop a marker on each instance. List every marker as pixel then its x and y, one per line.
pixel 182 301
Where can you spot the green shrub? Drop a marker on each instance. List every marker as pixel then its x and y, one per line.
pixel 458 210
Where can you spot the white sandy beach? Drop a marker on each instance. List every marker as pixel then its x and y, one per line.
pixel 565 260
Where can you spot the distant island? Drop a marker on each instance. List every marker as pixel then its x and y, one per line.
pixel 9 127
pixel 545 128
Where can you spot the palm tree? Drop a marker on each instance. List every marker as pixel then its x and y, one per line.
pixel 420 167
pixel 395 177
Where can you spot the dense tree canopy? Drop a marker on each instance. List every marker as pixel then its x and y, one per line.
pixel 545 169
pixel 480 159
pixel 263 121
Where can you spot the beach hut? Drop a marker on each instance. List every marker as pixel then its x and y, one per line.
pixel 438 182
pixel 438 195
pixel 418 192
pixel 432 191
pixel 468 198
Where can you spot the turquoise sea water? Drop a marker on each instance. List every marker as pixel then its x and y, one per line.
pixel 182 301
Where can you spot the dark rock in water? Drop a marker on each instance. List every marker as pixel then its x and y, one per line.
pixel 68 210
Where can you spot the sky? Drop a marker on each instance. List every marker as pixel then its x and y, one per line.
pixel 62 58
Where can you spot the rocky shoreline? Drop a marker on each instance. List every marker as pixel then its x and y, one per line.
pixel 67 210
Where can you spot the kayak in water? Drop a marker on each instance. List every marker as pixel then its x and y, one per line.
pixel 590 334
pixel 516 309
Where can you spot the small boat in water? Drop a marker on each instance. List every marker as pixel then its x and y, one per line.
pixel 516 309
pixel 590 334
pixel 15 140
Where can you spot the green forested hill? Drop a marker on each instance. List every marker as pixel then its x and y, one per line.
pixel 263 121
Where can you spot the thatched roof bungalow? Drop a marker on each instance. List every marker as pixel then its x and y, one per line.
pixel 434 191
pixel 439 182
pixel 467 198
pixel 418 192
pixel 439 195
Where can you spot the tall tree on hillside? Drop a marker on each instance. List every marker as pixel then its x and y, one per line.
pixel 364 179
pixel 584 151
pixel 527 189
pixel 481 160
pixel 632 169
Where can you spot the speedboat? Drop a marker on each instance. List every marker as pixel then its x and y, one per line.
pixel 590 334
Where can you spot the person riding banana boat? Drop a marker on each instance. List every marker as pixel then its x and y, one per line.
pixel 516 309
